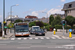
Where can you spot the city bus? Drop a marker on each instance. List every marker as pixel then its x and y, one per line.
pixel 21 29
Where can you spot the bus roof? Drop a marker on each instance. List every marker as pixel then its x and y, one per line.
pixel 21 23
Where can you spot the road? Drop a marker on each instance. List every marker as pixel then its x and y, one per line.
pixel 37 43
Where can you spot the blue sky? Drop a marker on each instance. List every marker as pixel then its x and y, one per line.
pixel 32 7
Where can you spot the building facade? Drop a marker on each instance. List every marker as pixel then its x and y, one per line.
pixel 45 20
pixel 28 16
pixel 69 9
pixel 61 15
pixel 31 18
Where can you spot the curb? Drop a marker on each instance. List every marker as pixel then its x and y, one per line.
pixel 9 36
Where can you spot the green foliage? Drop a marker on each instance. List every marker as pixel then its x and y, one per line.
pixel 67 27
pixel 56 21
pixel 32 24
pixel 18 20
pixel 11 25
pixel 48 27
pixel 45 24
pixel 73 27
pixel 58 26
pixel 70 20
pixel 39 23
pixel 51 18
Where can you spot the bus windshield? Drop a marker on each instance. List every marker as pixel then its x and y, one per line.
pixel 21 28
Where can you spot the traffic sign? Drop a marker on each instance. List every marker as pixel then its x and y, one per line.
pixel 63 22
pixel 70 30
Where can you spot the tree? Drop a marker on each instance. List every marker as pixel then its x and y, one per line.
pixel 45 24
pixel 32 24
pixel 70 20
pixel 11 25
pixel 51 18
pixel 56 21
pixel 18 20
pixel 39 23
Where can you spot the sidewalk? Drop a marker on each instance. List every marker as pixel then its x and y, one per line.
pixel 65 35
pixel 7 36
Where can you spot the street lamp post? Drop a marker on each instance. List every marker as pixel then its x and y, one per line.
pixel 47 15
pixel 11 11
pixel 3 32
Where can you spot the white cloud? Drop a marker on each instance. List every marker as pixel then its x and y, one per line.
pixel 34 13
pixel 62 0
pixel 53 11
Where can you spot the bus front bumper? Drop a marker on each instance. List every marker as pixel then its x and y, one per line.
pixel 23 35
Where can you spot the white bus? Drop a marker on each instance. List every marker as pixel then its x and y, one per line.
pixel 21 29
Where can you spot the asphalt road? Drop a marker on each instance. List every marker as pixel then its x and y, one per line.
pixel 38 43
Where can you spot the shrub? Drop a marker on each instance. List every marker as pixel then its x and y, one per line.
pixel 48 27
pixel 58 26
pixel 32 24
pixel 45 24
pixel 67 27
pixel 73 27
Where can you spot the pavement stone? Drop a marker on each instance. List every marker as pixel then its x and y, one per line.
pixel 7 36
pixel 0 37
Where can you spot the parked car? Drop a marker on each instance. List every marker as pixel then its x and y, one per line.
pixel 32 32
pixel 39 32
pixel 73 32
pixel 44 30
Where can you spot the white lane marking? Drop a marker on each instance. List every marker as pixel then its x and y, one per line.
pixel 41 38
pixel 47 38
pixel 19 38
pixel 53 37
pixel 63 37
pixel 57 36
pixel 73 37
pixel 68 45
pixel 12 38
pixel 24 38
pixel 36 38
pixel 22 47
pixel 30 38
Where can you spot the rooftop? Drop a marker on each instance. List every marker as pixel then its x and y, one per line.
pixel 68 6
